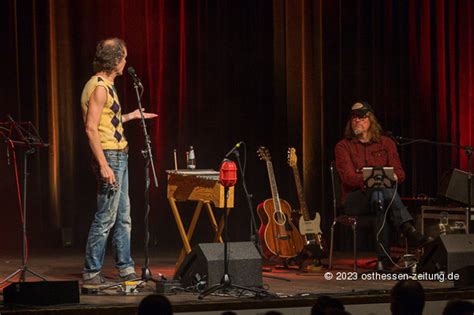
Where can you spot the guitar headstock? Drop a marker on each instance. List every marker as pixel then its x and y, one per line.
pixel 292 158
pixel 264 154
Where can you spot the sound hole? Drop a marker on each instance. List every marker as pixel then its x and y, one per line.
pixel 279 218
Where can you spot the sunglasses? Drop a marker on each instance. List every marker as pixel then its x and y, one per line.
pixel 354 117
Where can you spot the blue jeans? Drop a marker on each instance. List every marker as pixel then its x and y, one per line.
pixel 375 201
pixel 113 211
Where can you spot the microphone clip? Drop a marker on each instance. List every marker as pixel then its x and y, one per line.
pixel 234 150
pixel 395 138
pixel 136 79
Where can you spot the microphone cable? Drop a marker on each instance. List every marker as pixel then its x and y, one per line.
pixel 245 157
pixel 382 227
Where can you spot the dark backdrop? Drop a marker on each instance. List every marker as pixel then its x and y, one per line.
pixel 276 73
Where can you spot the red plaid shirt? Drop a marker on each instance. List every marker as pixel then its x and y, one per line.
pixel 352 155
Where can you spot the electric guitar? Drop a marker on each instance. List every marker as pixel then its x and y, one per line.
pixel 310 229
pixel 279 235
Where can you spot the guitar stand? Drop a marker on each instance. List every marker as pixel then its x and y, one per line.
pixel 314 266
pixel 275 277
pixel 287 265
pixel 270 269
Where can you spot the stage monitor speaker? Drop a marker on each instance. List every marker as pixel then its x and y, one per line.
pixel 466 277
pixel 448 253
pixel 204 265
pixel 42 293
pixel 453 185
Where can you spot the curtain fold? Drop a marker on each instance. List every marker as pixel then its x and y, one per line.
pixel 298 77
pixel 53 120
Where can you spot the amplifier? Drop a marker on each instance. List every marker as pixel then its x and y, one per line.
pixel 436 221
pixel 454 186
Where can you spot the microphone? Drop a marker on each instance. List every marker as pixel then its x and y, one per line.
pixel 133 74
pixel 396 139
pixel 228 173
pixel 234 148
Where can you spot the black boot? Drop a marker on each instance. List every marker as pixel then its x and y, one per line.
pixel 415 237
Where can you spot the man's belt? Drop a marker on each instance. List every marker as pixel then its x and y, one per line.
pixel 124 150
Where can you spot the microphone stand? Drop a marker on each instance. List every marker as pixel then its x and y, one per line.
pixel 468 152
pixel 226 281
pixel 148 157
pixel 254 237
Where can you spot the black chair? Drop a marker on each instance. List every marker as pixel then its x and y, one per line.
pixel 347 220
pixel 343 219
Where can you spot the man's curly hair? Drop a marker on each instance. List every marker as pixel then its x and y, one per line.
pixel 108 54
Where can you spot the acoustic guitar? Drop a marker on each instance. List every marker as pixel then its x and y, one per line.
pixel 310 229
pixel 279 235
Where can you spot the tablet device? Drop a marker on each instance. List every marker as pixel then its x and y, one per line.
pixel 378 177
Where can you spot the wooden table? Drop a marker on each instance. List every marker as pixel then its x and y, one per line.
pixel 203 187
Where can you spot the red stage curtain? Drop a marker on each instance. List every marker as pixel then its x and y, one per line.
pixel 413 61
pixel 277 73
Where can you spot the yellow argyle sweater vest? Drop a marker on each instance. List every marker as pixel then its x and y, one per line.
pixel 110 126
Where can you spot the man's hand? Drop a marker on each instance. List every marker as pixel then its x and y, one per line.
pixel 107 174
pixel 136 115
pixel 136 112
pixel 395 176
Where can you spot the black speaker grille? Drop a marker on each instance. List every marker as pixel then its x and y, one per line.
pixel 449 253
pixel 207 261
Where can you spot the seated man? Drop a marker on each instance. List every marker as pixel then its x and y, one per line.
pixel 365 146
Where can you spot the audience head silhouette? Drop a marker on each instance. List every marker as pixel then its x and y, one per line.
pixel 407 298
pixel 155 304
pixel 458 307
pixel 327 305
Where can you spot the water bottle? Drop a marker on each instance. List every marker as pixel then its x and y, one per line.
pixel 191 158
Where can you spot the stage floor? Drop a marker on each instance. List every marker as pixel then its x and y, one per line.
pixel 294 289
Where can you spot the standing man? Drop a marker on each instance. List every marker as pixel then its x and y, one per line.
pixel 103 120
pixel 364 145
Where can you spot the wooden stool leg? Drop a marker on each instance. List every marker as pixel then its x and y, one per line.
pixel 179 223
pixel 194 220
pixel 212 218
pixel 189 235
pixel 184 236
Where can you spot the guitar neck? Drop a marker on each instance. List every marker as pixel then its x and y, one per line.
pixel 299 190
pixel 273 186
